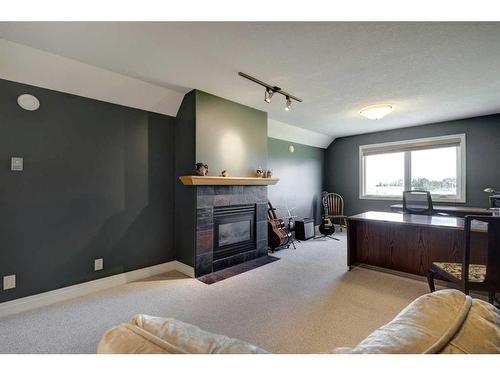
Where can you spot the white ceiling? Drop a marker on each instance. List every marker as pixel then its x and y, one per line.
pixel 429 71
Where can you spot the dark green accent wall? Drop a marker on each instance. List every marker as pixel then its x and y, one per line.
pixel 97 183
pixel 230 136
pixel 185 196
pixel 301 178
pixel 221 133
pixel 483 159
pixel 101 181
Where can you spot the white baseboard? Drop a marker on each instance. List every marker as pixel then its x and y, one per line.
pixel 183 268
pixel 73 291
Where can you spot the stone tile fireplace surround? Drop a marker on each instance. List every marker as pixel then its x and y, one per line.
pixel 209 197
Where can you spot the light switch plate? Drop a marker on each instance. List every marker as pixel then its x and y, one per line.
pixel 16 164
pixel 98 264
pixel 9 282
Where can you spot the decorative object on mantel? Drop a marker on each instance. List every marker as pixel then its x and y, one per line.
pixel 259 173
pixel 269 173
pixel 224 173
pixel 201 169
pixel 218 180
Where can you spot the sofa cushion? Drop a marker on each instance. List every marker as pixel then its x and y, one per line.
pixel 145 334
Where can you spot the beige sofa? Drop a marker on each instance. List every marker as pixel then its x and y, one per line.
pixel 445 321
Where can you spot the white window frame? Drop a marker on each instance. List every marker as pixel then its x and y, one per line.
pixel 406 147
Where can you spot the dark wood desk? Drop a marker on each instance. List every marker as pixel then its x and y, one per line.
pixel 410 243
pixel 459 211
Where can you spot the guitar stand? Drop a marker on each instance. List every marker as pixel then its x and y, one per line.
pixel 293 239
pixel 287 246
pixel 326 229
pixel 279 248
pixel 325 236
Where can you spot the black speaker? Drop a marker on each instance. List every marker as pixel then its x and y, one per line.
pixel 304 229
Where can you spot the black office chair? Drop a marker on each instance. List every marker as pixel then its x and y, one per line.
pixel 417 202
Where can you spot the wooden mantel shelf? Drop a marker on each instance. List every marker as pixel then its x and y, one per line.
pixel 217 180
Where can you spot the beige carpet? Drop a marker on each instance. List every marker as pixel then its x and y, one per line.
pixel 306 302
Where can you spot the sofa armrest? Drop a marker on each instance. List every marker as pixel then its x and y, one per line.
pixel 446 321
pixel 145 334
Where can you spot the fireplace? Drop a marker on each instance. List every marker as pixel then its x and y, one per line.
pixel 231 226
pixel 234 230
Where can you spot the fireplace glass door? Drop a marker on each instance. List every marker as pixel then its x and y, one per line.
pixel 234 230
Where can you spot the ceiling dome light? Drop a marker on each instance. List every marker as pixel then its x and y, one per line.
pixel 376 112
pixel 28 102
pixel 288 104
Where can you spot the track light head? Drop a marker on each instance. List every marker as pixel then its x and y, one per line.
pixel 268 95
pixel 288 104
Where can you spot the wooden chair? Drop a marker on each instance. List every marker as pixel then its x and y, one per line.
pixel 474 276
pixel 333 205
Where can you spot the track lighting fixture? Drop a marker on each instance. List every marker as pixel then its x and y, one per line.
pixel 271 90
pixel 268 95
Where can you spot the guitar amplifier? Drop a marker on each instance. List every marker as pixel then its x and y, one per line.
pixel 304 229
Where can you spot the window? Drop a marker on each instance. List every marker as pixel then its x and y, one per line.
pixel 385 174
pixel 434 164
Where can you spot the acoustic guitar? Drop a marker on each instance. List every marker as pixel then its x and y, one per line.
pixel 277 233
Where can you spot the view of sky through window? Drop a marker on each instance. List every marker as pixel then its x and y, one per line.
pixel 435 170
pixel 384 174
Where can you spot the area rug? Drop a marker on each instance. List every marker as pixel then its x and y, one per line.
pixel 236 270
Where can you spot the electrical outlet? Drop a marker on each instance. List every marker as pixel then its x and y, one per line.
pixel 9 282
pixel 98 264
pixel 16 164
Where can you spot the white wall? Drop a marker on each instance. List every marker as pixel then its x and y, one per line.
pixel 286 132
pixel 31 66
